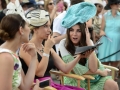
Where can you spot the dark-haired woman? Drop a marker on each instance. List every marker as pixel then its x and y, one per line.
pixel 78 36
pixel 15 31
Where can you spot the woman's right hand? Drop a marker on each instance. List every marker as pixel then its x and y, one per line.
pixel 105 72
pixel 30 49
pixel 102 33
pixel 86 54
pixel 49 42
pixel 36 87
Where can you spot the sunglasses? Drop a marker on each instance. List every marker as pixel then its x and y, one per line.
pixel 50 4
pixel 116 3
pixel 97 5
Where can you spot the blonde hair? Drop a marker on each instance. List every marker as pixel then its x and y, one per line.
pixel 46 2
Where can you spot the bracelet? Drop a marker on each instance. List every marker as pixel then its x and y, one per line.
pixel 46 55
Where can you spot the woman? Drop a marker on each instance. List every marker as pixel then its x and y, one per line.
pixel 47 57
pixel 78 36
pixel 11 74
pixel 97 20
pixel 110 27
pixel 51 8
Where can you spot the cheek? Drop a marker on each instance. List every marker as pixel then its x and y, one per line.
pixel 79 35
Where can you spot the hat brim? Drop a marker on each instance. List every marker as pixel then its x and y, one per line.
pixel 37 20
pixel 107 7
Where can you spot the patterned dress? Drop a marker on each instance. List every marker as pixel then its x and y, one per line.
pixel 17 69
pixel 80 70
pixel 112 31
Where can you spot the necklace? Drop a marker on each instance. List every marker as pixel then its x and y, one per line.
pixel 41 50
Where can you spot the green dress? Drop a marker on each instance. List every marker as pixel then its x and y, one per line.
pixel 80 70
pixel 16 69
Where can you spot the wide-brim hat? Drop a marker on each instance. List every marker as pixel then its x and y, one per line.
pixel 37 17
pixel 81 12
pixel 110 2
pixel 98 2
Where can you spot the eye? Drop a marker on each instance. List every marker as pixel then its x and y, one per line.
pixel 45 26
pixel 71 29
pixel 78 30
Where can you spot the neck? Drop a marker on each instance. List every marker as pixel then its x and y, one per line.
pixel 12 45
pixel 37 42
pixel 114 12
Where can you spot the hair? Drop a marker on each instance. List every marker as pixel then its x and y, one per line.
pixel 76 1
pixel 69 44
pixel 3 4
pixel 46 2
pixel 65 5
pixel 10 25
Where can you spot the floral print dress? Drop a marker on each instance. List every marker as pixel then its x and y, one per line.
pixel 17 69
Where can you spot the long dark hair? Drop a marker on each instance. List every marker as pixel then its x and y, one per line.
pixel 69 44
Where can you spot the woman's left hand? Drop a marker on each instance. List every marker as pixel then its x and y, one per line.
pixel 36 87
pixel 88 40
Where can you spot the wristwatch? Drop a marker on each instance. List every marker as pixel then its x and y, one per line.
pixel 46 55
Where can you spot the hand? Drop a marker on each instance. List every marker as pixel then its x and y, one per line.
pixel 102 33
pixel 86 54
pixel 104 72
pixel 49 42
pixel 88 40
pixel 30 49
pixel 36 87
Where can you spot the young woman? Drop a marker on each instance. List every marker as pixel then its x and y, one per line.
pixel 15 31
pixel 47 57
pixel 78 36
pixel 110 27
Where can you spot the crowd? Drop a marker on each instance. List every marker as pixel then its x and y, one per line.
pixel 37 36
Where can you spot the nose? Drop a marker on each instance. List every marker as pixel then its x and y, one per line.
pixel 74 33
pixel 49 29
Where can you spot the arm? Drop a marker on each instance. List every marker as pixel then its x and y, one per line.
pixel 58 37
pixel 58 29
pixel 66 68
pixel 92 59
pixel 42 65
pixel 102 27
pixel 93 62
pixel 6 71
pixel 27 80
pixel 52 15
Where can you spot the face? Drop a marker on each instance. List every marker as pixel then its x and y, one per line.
pixel 115 6
pixel 75 34
pixel 25 33
pixel 99 7
pixel 44 31
pixel 50 5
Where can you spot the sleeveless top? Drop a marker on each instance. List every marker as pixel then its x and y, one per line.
pixel 49 67
pixel 16 69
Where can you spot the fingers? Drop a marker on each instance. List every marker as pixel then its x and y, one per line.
pixel 28 46
pixel 87 53
pixel 37 82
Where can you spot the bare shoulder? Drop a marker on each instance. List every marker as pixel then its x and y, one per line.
pixel 6 58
